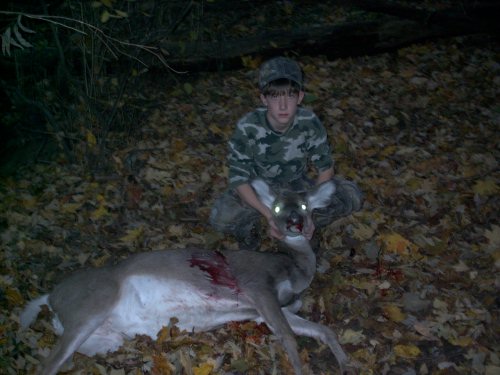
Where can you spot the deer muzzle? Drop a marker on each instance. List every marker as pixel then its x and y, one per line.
pixel 295 223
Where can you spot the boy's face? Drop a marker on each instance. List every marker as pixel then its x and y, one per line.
pixel 281 107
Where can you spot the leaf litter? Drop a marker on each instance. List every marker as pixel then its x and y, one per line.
pixel 410 283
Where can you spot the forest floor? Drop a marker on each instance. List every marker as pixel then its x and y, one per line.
pixel 410 283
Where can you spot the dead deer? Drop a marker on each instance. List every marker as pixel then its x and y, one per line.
pixel 95 309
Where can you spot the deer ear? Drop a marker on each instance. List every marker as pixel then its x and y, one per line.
pixel 321 196
pixel 264 192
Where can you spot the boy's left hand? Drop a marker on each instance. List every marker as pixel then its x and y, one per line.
pixel 309 230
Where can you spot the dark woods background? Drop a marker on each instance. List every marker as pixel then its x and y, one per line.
pixel 74 72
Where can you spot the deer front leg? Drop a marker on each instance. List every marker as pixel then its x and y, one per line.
pixel 270 311
pixel 320 332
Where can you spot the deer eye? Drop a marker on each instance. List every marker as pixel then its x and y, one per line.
pixel 277 209
pixel 303 207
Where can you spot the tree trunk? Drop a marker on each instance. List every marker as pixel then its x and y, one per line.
pixel 398 26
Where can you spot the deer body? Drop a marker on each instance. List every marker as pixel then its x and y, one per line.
pixel 96 309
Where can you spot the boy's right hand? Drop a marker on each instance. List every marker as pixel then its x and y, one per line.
pixel 247 194
pixel 274 231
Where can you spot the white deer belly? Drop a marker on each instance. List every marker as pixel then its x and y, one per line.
pixel 148 303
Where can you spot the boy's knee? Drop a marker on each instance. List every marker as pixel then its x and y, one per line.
pixel 347 199
pixel 228 214
pixel 220 215
pixel 349 194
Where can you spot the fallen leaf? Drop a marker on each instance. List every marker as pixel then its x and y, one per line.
pixel 203 369
pixel 460 267
pixel 14 297
pixel 362 232
pixel 424 329
pixel 486 187
pixel 100 212
pixel 407 351
pixel 91 139
pixel 161 365
pixel 394 313
pixel 350 336
pixel 395 243
pixel 132 235
pixel 462 341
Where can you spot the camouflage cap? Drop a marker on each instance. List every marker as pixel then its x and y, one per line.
pixel 278 68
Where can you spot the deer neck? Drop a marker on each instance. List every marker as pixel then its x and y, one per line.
pixel 304 256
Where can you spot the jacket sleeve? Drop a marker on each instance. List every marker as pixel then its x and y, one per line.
pixel 320 151
pixel 240 156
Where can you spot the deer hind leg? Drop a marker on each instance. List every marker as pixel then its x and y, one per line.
pixel 68 343
pixel 303 327
pixel 81 309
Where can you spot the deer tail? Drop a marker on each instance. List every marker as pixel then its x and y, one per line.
pixel 31 310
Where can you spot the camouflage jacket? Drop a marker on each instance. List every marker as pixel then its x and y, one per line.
pixel 256 150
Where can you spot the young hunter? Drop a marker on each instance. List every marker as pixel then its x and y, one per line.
pixel 277 143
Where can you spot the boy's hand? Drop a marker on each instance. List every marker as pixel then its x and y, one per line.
pixel 274 231
pixel 309 230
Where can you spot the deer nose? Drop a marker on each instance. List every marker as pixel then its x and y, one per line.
pixel 295 217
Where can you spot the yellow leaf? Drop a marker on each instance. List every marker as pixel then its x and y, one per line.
pixel 394 313
pixel 203 369
pixel 250 63
pixel 91 139
pixel 70 208
pixel 369 286
pixel 99 212
pixel 440 305
pixel 175 230
pixel 396 243
pixel 188 88
pixel 414 183
pixel 366 357
pixel 407 351
pixel 132 235
pixel 389 150
pixel 163 335
pixel 14 297
pixel 101 261
pixel 215 129
pixel 463 341
pixel 105 16
pixel 362 232
pixel 486 187
pixel 161 365
pixel 350 336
